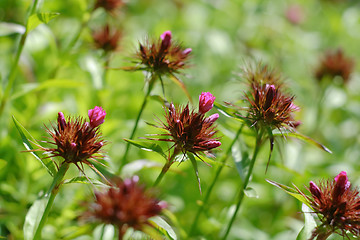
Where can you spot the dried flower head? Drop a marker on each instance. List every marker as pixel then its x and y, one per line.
pixel 162 56
pixel 107 39
pixel 269 106
pixel 190 131
pixel 75 140
pixel 109 5
pixel 125 205
pixel 335 64
pixel 337 204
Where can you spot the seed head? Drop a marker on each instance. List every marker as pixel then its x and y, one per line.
pixel 106 39
pixel 164 56
pixel 338 206
pixel 124 205
pixel 335 64
pixel 190 131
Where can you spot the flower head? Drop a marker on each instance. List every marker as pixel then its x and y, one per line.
pixel 75 140
pixel 106 39
pixel 190 131
pixel 124 205
pixel 335 64
pixel 338 206
pixel 163 56
pixel 206 102
pixel 269 106
pixel 109 5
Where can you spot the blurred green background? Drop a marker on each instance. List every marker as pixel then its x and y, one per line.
pixel 225 36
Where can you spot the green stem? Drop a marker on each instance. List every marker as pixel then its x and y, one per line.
pixel 151 84
pixel 12 74
pixel 214 181
pixel 166 166
pixel 247 178
pixel 53 191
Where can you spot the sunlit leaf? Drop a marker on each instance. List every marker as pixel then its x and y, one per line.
pixel 104 232
pixel 10 28
pixel 304 138
pixel 241 159
pixel 133 167
pixel 84 180
pixel 293 192
pixel 160 224
pixel 158 99
pixel 147 146
pixel 26 138
pixel 310 224
pixel 38 18
pixel 182 85
pixel 194 163
pixel 228 112
pixel 33 218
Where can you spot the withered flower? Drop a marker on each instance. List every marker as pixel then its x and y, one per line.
pixel 109 5
pixel 124 205
pixel 191 131
pixel 269 106
pixel 337 205
pixel 107 39
pixel 75 140
pixel 164 56
pixel 335 64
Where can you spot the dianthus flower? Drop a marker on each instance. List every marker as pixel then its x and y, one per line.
pixel 75 140
pixel 106 39
pixel 337 205
pixel 163 56
pixel 109 5
pixel 124 205
pixel 191 131
pixel 335 64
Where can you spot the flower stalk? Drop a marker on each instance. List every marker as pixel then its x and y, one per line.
pixel 166 166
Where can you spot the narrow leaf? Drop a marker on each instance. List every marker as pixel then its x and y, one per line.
pixel 194 163
pixel 84 180
pixel 133 167
pixel 293 192
pixel 306 139
pixel 163 227
pixel 241 159
pixel 10 28
pixel 310 224
pixel 33 217
pixel 228 112
pixel 147 146
pixel 38 18
pixel 26 136
pixel 182 85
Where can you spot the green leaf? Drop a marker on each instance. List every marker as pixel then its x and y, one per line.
pixel 182 85
pixel 11 28
pixel 210 161
pixel 310 224
pixel 84 180
pixel 163 227
pixel 133 167
pixel 26 136
pixel 51 83
pixel 293 192
pixel 194 163
pixel 241 159
pixel 147 146
pixel 38 18
pixel 304 138
pixel 33 217
pixel 228 112
pixel 158 99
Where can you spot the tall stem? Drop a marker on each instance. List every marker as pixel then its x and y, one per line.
pixel 53 191
pixel 151 84
pixel 12 74
pixel 166 167
pixel 246 181
pixel 214 181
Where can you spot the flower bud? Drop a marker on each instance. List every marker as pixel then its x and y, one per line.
pixel 270 94
pixel 315 190
pixel 213 144
pixel 206 102
pixel 187 51
pixel 61 120
pixel 212 118
pixel 166 40
pixel 342 180
pixel 96 116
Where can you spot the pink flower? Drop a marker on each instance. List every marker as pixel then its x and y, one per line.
pixel 96 116
pixel 315 190
pixel 212 118
pixel 61 120
pixel 342 182
pixel 187 51
pixel 166 39
pixel 206 102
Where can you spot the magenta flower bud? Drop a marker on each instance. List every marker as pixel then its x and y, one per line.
pixel 61 120
pixel 342 180
pixel 96 116
pixel 187 51
pixel 213 144
pixel 315 190
pixel 73 146
pixel 166 40
pixel 206 102
pixel 212 118
pixel 271 91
